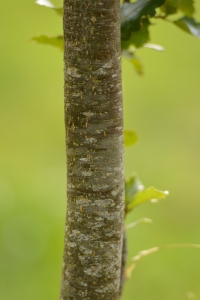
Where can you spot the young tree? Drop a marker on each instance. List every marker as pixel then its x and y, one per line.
pixel 93 264
pixel 94 143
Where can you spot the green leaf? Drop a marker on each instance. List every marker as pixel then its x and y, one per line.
pixel 172 7
pixel 187 7
pixel 56 41
pixel 149 194
pixel 132 15
pixel 189 25
pixel 138 38
pixel 130 55
pixel 132 186
pixel 47 3
pixel 130 137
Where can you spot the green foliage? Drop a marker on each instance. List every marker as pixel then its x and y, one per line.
pixel 136 194
pixel 135 24
pixel 189 25
pixel 173 6
pixel 132 15
pixel 56 41
pixel 130 137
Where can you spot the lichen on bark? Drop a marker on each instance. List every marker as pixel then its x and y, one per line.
pixel 94 146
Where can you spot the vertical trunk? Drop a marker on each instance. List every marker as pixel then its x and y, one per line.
pixel 94 141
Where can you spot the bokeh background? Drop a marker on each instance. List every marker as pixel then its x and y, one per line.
pixel 162 106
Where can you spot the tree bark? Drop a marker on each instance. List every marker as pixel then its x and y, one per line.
pixel 94 142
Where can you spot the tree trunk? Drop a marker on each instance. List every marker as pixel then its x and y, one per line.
pixel 94 142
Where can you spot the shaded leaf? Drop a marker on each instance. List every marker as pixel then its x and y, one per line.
pixel 172 7
pixel 132 15
pixel 187 7
pixel 145 195
pixel 56 41
pixel 47 3
pixel 130 137
pixel 189 25
pixel 138 38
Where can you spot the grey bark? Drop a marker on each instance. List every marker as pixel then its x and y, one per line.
pixel 94 142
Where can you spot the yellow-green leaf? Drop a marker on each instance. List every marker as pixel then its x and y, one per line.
pixel 56 41
pixel 130 137
pixel 149 194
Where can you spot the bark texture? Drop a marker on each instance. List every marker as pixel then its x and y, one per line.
pixel 94 142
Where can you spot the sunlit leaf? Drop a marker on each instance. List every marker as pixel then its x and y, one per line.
pixel 132 15
pixel 132 186
pixel 189 25
pixel 47 3
pixel 130 137
pixel 154 47
pixel 56 41
pixel 146 195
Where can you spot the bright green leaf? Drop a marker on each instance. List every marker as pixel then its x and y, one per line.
pixel 132 15
pixel 149 194
pixel 47 3
pixel 132 186
pixel 56 41
pixel 189 25
pixel 130 137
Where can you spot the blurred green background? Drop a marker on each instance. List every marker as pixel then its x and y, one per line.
pixel 162 106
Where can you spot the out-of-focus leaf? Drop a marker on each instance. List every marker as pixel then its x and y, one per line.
pixel 189 25
pixel 132 15
pixel 132 186
pixel 185 6
pixel 130 137
pixel 138 38
pixel 56 41
pixel 145 195
pixel 150 251
pixel 47 3
pixel 154 47
pixel 130 55
pixel 138 222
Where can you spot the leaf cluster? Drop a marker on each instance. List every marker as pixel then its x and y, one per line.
pixel 135 24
